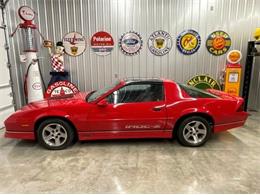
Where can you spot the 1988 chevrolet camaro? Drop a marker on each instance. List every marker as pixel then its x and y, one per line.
pixel 155 108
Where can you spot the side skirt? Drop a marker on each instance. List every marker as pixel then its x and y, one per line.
pixel 126 134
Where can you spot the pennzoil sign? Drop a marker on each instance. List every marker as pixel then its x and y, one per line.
pixel 204 82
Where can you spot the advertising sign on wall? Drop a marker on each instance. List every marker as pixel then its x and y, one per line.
pixel 204 82
pixel 218 43
pixel 130 43
pixel 188 42
pixel 74 43
pixel 160 43
pixel 61 88
pixel 102 43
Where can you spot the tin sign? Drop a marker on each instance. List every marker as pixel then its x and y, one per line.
pixel 218 43
pixel 188 42
pixel 61 88
pixel 204 82
pixel 131 43
pixel 74 43
pixel 160 43
pixel 102 43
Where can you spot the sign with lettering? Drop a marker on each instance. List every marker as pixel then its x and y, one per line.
pixel 218 43
pixel 188 42
pixel 204 82
pixel 131 43
pixel 102 43
pixel 61 88
pixel 74 43
pixel 160 43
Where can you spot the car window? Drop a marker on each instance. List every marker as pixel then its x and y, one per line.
pixel 137 93
pixel 195 92
pixel 95 95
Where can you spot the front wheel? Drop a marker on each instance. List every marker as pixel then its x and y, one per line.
pixel 55 134
pixel 194 131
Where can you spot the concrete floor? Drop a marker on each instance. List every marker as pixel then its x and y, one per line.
pixel 228 163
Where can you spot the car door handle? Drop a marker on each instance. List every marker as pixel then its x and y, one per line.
pixel 157 108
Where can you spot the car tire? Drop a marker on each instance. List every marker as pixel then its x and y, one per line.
pixel 55 134
pixel 194 131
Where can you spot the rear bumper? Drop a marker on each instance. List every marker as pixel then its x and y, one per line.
pixel 20 135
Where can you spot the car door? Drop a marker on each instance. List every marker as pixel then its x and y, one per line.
pixel 137 106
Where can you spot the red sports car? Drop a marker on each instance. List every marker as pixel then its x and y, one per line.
pixel 155 108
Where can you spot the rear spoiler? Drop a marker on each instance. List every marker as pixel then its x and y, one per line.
pixel 224 95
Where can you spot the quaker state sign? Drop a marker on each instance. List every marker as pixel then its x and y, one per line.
pixel 160 43
pixel 130 43
pixel 102 43
pixel 204 82
pixel 61 88
pixel 188 42
pixel 218 43
pixel 74 43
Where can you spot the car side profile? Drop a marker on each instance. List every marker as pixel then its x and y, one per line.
pixel 151 108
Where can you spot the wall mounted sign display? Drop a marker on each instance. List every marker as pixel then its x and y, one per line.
pixel 204 82
pixel 102 43
pixel 61 88
pixel 74 43
pixel 130 43
pixel 234 56
pixel 160 43
pixel 188 42
pixel 218 43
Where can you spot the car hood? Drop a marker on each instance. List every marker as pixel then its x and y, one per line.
pixel 57 101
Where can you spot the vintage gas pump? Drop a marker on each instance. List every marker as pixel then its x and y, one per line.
pixel 233 73
pixel 33 81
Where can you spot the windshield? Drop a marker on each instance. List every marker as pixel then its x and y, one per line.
pixel 195 92
pixel 96 94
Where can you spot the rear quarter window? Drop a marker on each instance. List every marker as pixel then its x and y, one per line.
pixel 196 93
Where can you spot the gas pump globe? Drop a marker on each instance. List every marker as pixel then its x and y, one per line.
pixel 33 81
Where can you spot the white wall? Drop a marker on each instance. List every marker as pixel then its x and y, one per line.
pixel 55 18
pixel 6 106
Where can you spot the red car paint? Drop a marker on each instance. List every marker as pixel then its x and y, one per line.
pixel 97 120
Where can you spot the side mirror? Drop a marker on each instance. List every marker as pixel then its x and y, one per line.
pixel 102 103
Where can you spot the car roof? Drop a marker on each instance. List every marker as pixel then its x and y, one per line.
pixel 142 80
pixel 146 80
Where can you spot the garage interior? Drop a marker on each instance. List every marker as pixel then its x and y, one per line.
pixel 228 163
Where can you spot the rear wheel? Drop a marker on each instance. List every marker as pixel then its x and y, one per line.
pixel 194 131
pixel 55 134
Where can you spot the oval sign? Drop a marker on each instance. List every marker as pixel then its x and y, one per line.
pixel 204 82
pixel 61 88
pixel 218 43
pixel 160 43
pixel 102 43
pixel 188 42
pixel 74 44
pixel 131 43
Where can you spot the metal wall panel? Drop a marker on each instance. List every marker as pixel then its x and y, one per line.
pixel 239 18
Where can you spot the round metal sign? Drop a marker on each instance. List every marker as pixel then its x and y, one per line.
pixel 234 56
pixel 188 42
pixel 130 43
pixel 74 43
pixel 160 43
pixel 204 82
pixel 218 43
pixel 26 13
pixel 61 88
pixel 102 43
